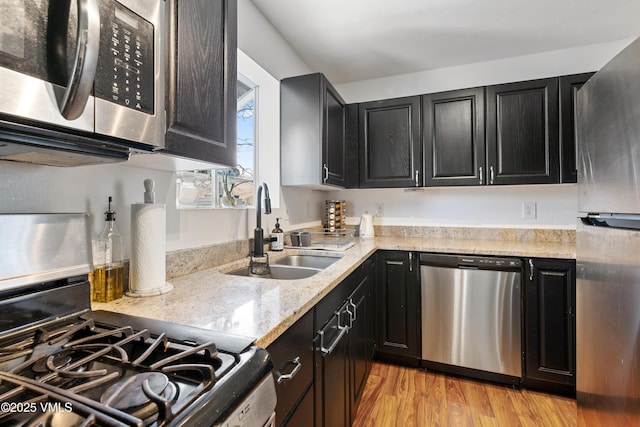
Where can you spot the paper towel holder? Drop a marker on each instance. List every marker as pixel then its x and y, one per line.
pixel 147 267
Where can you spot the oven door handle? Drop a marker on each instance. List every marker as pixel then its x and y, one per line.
pixel 74 99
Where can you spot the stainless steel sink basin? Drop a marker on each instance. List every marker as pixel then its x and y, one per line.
pixel 311 261
pixel 281 272
pixel 292 267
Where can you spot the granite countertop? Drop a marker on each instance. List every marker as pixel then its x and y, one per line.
pixel 264 308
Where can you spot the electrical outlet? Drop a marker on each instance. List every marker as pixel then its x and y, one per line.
pixel 529 210
pixel 379 210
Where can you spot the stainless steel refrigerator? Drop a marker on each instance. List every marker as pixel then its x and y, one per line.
pixel 608 244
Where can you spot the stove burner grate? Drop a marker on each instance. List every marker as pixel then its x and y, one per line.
pixel 112 377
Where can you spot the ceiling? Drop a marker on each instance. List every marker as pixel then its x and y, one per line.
pixel 351 40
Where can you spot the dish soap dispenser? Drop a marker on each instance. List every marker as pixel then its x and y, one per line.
pixel 277 244
pixel 108 275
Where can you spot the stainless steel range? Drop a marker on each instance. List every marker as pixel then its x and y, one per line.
pixel 62 364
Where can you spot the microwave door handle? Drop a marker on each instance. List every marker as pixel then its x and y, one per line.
pixel 75 96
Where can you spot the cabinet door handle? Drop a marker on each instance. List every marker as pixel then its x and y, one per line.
pixel 491 175
pixel 287 377
pixel 326 351
pixel 417 178
pixel 480 173
pixel 410 261
pixel 326 173
pixel 354 313
pixel 531 269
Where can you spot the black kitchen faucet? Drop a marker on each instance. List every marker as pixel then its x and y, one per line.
pixel 260 260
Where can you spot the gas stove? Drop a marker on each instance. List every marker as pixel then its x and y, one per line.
pixel 62 364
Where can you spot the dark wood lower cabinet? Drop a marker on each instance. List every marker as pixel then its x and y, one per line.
pixel 397 307
pixel 332 404
pixel 360 343
pixel 344 349
pixel 550 325
pixel 377 309
pixel 292 356
pixel 302 415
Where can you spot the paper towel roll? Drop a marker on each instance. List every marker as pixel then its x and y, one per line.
pixel 147 269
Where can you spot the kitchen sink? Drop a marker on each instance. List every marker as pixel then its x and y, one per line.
pixel 281 272
pixel 310 261
pixel 292 267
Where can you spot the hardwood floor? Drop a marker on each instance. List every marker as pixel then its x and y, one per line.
pixel 401 396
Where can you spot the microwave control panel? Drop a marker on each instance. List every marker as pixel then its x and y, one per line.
pixel 125 74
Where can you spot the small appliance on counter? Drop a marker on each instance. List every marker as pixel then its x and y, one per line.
pixel 62 364
pixel 366 229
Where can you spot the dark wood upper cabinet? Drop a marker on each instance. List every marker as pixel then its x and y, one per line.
pixel 523 132
pixel 453 138
pixel 202 80
pixel 334 144
pixel 390 143
pixel 569 86
pixel 314 148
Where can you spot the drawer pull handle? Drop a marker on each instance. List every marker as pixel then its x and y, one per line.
pixel 294 371
pixel 326 351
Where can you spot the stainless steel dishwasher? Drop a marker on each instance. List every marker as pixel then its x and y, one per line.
pixel 471 315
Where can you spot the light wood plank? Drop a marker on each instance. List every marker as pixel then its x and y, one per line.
pixel 402 396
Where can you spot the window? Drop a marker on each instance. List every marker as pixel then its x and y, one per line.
pixel 227 187
pixel 258 148
pixel 235 186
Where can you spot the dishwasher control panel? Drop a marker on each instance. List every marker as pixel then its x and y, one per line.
pixel 491 262
pixel 494 263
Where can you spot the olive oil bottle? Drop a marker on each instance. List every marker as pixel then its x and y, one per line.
pixel 108 274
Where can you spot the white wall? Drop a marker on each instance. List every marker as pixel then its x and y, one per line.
pixel 527 67
pixel 260 40
pixel 475 206
pixel 469 206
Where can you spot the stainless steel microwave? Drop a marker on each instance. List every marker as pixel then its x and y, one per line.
pixel 81 81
